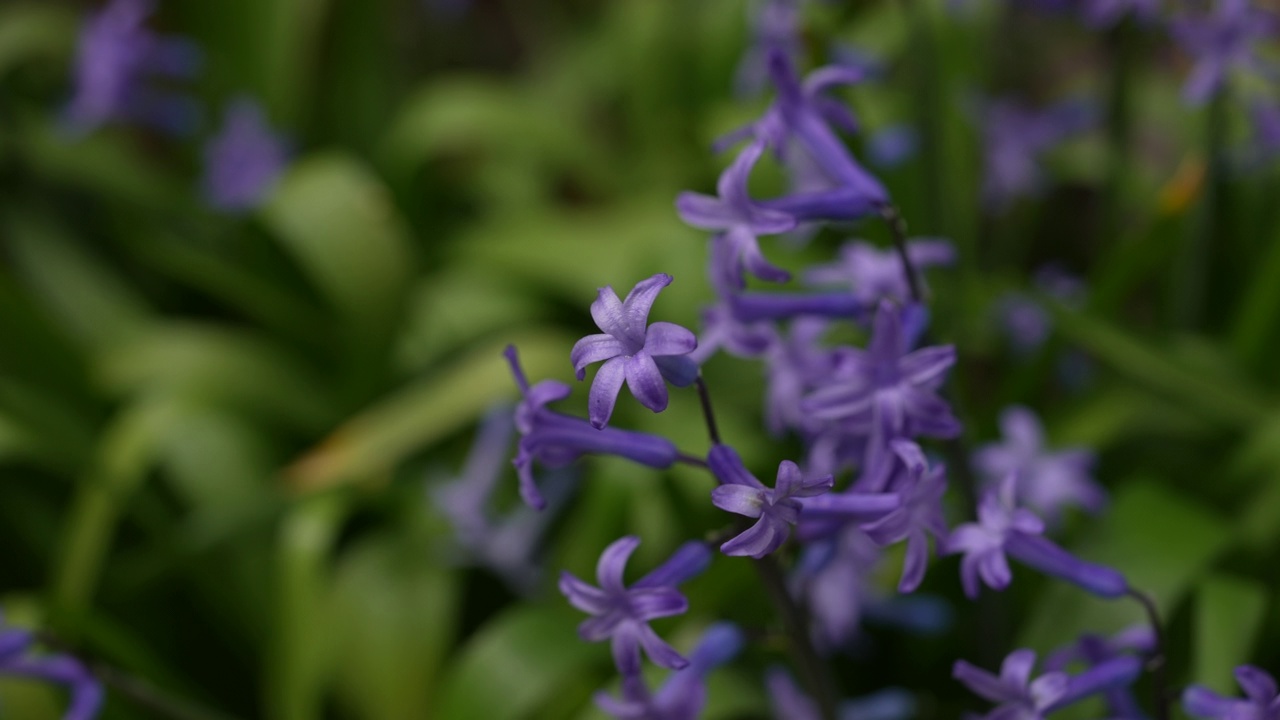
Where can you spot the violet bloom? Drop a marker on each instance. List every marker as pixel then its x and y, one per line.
pixel 1002 528
pixel 794 363
pixel 833 578
pixel 1259 687
pixel 887 391
pixel 777 509
pixel 244 160
pixel 722 330
pixel 1047 482
pixel 684 693
pixel 645 354
pixel 1095 650
pixel 739 220
pixel 621 614
pixel 893 145
pixel 873 274
pixel 789 702
pixel 1025 322
pixel 16 660
pixel 1220 42
pixel 919 515
pixel 1021 698
pixel 1015 137
pixel 115 55
pixel 556 440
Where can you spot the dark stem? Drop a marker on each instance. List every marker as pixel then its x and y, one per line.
pixel 796 625
pixel 898 230
pixel 1156 661
pixel 691 460
pixel 708 414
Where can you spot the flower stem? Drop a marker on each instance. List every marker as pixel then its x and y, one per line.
pixel 691 460
pixel 898 230
pixel 708 413
pixel 1156 662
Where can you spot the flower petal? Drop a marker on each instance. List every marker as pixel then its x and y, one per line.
pixel 604 391
pixel 984 684
pixel 610 317
pixel 664 338
pixel 645 381
pixel 593 349
pixel 739 499
pixel 705 212
pixel 587 598
pixel 639 301
pixel 650 603
pixel 758 540
pixel 612 563
pixel 662 654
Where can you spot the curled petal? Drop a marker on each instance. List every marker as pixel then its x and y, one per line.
pixel 650 603
pixel 985 684
pixel 639 301
pixel 645 381
pixel 915 562
pixel 704 212
pixel 1016 668
pixel 612 563
pixel 927 365
pixel 1257 684
pixel 739 499
pixel 662 654
pixel 607 311
pixel 604 391
pixel 727 466
pixel 593 349
pixel 686 563
pixel 758 540
pixel 1201 702
pixel 585 597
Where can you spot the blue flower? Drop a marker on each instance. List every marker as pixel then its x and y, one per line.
pixel 777 509
pixel 244 160
pixel 790 703
pixel 1261 703
pixel 621 614
pixel 645 355
pixel 919 514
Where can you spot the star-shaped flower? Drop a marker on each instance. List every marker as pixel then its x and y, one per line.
pixel 1261 700
pixel 777 509
pixel 1019 697
pixel 645 354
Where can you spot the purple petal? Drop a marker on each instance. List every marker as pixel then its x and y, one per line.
pixel 993 567
pixel 687 562
pixel 1022 428
pixel 727 466
pixel 625 646
pixel 664 338
pixel 593 349
pixel 705 212
pixel 651 603
pixel 604 390
pixel 1015 671
pixel 1257 684
pixel 1201 702
pixel 732 185
pixel 645 381
pixel 639 301
pixel 612 563
pixel 662 654
pixel 608 312
pixel 914 563
pixel 679 370
pixel 585 597
pixel 984 684
pixel 927 365
pixel 756 541
pixel 739 499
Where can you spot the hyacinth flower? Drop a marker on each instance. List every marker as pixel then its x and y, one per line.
pixel 887 391
pixel 775 25
pixel 919 489
pixel 794 363
pixel 557 440
pixel 244 160
pixel 1047 481
pixel 1261 700
pixel 892 146
pixel 1220 42
pixel 872 274
pixel 1094 650
pixel 621 614
pixel 1014 139
pixel 833 578
pixel 116 56
pixel 789 702
pixel 17 660
pixel 684 693
pixel 1003 529
pixel 738 220
pixel 776 509
pixel 1018 697
pixel 721 330
pixel 505 545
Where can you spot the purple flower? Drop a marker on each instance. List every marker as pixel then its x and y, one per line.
pixel 886 391
pixel 790 703
pixel 556 440
pixel 1220 42
pixel 794 363
pixel 16 660
pixel 1014 137
pixel 893 145
pixel 114 56
pixel 684 694
pixel 775 25
pixel 833 578
pixel 873 274
pixel 644 354
pixel 919 515
pixel 1021 698
pixel 739 220
pixel 1259 687
pixel 1024 321
pixel 777 509
pixel 1002 528
pixel 244 160
pixel 1095 650
pixel 621 614
pixel 1047 482
pixel 721 329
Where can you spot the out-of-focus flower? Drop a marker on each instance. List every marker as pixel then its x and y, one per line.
pixel 721 329
pixel 1021 698
pixel 556 440
pixel 621 614
pixel 790 703
pixel 116 58
pixel 1108 13
pixel 645 354
pixel 1265 117
pixel 1025 322
pixel 777 509
pixel 244 160
pixel 873 274
pixel 17 660
pixel 919 489
pixel 1094 650
pixel 1014 139
pixel 832 578
pixel 893 145
pixel 1221 41
pixel 684 693
pixel 1261 700
pixel 1047 482
pixel 775 26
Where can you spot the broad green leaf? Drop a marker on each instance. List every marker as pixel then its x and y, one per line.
pixel 515 663
pixel 1229 614
pixel 395 613
pixel 1160 540
pixel 217 461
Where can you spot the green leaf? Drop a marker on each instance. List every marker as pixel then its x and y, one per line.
pixel 1160 540
pixel 1228 617
pixel 34 31
pixel 517 662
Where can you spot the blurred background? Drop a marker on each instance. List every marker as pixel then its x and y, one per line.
pixel 259 260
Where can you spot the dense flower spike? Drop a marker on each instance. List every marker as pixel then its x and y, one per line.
pixel 645 354
pixel 1002 528
pixel 873 274
pixel 244 160
pixel 16 660
pixel 1021 698
pixel 115 54
pixel 1014 137
pixel 1220 42
pixel 684 693
pixel 1261 703
pixel 621 614
pixel 777 509
pixel 556 440
pixel 1047 482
